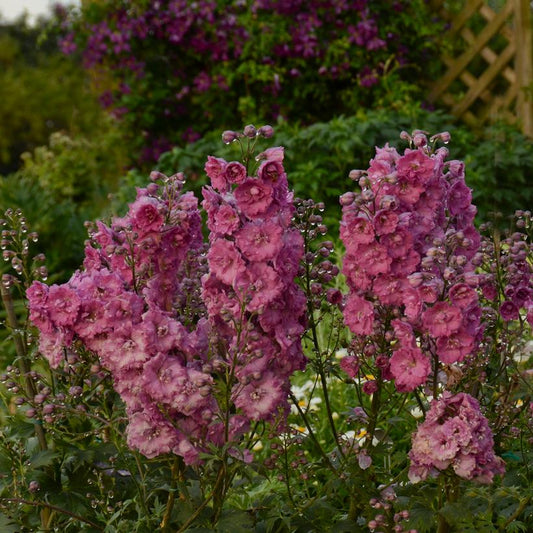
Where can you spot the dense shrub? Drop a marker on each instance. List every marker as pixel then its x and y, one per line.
pixel 177 69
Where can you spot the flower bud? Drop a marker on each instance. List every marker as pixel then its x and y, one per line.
pixel 355 174
pixel 347 198
pixel 266 131
pixel 229 136
pixel 250 131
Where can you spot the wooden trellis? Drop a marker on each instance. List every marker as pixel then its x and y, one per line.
pixel 492 74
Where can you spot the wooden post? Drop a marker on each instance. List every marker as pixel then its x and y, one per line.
pixel 524 66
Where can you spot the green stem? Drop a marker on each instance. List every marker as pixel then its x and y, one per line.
pixel 203 505
pixel 321 373
pixel 312 434
pixel 25 369
pixel 374 410
pixel 176 473
pixel 449 494
pixel 51 507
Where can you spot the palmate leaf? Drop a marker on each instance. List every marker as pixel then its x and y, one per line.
pixel 6 525
pixel 517 527
pixel 421 517
pixel 43 458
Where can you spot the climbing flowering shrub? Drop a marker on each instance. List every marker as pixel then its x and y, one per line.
pixel 176 69
pixel 226 364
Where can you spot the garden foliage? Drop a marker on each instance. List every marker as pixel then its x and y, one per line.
pixel 41 92
pixel 239 383
pixel 175 70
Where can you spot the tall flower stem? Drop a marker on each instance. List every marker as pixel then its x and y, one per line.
pixel 25 368
pixel 176 475
pixel 317 350
pixel 449 494
pixel 312 434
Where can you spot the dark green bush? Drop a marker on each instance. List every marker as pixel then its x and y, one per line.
pixel 62 185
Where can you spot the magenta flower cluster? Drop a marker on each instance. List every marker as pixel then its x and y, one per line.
pixel 125 306
pixel 410 240
pixel 455 435
pixel 194 354
pixel 252 301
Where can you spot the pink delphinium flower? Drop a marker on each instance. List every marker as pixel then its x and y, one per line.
pixel 215 169
pixel 226 261
pixel 253 197
pixel 455 347
pixel 63 305
pixel 271 169
pixel 260 399
pixel 359 315
pixel 410 368
pixel 385 221
pixel 356 230
pixel 260 240
pixel 442 319
pixel 455 434
pixel 235 172
pixel 350 364
pixel 146 215
pixel 226 219
pixel 509 311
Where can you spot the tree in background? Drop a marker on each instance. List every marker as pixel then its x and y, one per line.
pixel 41 92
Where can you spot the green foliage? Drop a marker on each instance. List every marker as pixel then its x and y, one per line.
pixel 319 157
pixel 62 185
pixel 500 169
pixel 41 91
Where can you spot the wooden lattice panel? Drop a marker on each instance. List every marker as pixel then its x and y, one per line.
pixel 490 74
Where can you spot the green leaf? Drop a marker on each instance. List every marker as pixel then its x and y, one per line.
pixel 43 458
pixel 7 525
pixel 233 521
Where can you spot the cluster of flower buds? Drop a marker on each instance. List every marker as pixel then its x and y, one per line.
pixel 250 132
pixel 387 518
pixel 15 242
pixel 508 265
pixel 318 268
